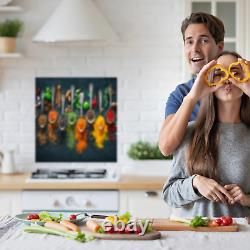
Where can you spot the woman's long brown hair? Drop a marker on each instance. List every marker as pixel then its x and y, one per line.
pixel 202 151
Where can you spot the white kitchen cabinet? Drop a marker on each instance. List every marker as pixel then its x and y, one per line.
pixel 93 201
pixel 10 202
pixel 144 203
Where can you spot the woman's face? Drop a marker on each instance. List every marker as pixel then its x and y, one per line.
pixel 228 91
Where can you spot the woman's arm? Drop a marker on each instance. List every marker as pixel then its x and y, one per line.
pixel 180 192
pixel 212 190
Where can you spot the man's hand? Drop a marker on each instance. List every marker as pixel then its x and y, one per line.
pixel 211 189
pixel 200 87
pixel 238 195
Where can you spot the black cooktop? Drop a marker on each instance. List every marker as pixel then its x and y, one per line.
pixel 68 174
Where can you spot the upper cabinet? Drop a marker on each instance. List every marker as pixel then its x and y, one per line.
pixel 231 13
pixel 236 19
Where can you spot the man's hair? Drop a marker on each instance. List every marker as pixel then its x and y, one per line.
pixel 213 24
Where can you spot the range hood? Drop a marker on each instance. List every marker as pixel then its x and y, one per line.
pixel 74 21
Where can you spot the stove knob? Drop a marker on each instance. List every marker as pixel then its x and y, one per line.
pixel 70 201
pixel 56 203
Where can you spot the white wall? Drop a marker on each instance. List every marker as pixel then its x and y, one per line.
pixel 147 62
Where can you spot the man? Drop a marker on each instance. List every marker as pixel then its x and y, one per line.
pixel 203 36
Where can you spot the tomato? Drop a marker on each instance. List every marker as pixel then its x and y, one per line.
pixel 110 229
pixel 226 220
pixel 218 221
pixel 33 217
pixel 138 229
pixel 127 230
pixel 72 217
pixel 213 223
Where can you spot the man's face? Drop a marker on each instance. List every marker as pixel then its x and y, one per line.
pixel 200 47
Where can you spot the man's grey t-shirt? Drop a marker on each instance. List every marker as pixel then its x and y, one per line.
pixel 233 167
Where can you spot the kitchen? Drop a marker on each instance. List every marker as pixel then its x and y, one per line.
pixel 142 58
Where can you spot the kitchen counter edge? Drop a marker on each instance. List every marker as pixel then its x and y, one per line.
pixel 126 182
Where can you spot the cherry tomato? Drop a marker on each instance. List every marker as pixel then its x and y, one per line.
pixel 218 221
pixel 226 220
pixel 110 229
pixel 72 217
pixel 127 230
pixel 33 217
pixel 138 229
pixel 213 223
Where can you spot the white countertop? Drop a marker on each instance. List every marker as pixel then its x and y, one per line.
pixel 13 237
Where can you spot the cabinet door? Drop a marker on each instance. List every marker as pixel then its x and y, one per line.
pixel 231 13
pixel 10 203
pixel 144 204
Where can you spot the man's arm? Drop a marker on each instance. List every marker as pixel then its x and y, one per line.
pixel 175 125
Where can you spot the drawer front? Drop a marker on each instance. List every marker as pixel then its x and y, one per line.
pixel 144 204
pixel 73 200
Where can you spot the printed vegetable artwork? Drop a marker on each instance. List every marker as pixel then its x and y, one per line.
pixel 100 131
pixel 42 122
pixel 81 129
pixel 52 120
pixel 75 121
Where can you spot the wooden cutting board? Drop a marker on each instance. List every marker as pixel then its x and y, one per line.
pixel 167 225
pixel 154 235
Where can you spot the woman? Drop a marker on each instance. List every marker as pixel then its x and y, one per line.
pixel 211 170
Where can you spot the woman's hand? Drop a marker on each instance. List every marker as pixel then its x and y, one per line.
pixel 245 87
pixel 238 195
pixel 200 87
pixel 211 189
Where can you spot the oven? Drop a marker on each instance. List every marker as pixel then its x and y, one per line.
pixel 68 201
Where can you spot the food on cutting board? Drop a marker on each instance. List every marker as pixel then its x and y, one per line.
pixel 33 217
pixel 63 228
pixel 199 221
pixel 79 236
pixel 70 225
pixel 92 225
pixel 119 224
pixel 73 217
pixel 44 216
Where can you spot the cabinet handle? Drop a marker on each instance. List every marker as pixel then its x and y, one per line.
pixel 87 203
pixel 56 203
pixel 151 194
pixel 70 201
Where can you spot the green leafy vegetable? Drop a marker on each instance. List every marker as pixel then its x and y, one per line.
pixel 101 230
pixel 45 216
pixel 126 216
pixel 199 221
pixel 149 226
pixel 79 236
